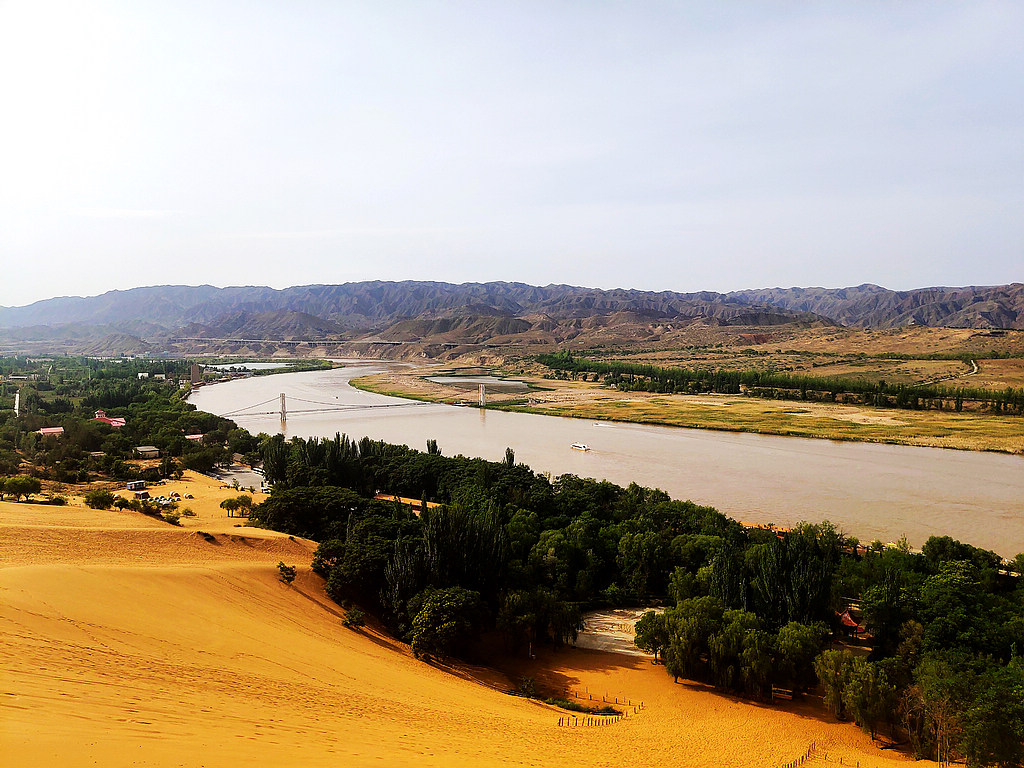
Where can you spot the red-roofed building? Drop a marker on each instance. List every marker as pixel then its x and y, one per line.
pixel 114 422
pixel 51 431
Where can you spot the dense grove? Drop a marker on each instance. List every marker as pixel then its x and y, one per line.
pixel 749 610
pixel 530 551
pixel 67 392
pixel 650 378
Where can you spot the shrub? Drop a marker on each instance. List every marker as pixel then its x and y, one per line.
pixel 99 499
pixel 287 572
pixel 172 517
pixel 572 706
pixel 445 621
pixel 353 618
pixel 187 512
pixel 527 687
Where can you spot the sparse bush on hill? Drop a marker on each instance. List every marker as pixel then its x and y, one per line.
pixel 286 572
pixel 99 499
pixel 354 618
pixel 242 505
pixel 21 485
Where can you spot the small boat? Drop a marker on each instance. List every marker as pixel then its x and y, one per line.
pixel 580 447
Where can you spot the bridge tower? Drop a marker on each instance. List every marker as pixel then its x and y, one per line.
pixel 483 396
pixel 284 410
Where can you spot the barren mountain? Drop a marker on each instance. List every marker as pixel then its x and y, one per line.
pixel 172 318
pixel 870 306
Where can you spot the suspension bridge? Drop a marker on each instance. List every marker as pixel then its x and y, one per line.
pixel 283 409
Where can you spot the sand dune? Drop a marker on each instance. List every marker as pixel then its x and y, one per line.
pixel 127 641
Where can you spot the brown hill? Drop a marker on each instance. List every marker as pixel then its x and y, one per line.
pixel 870 306
pixel 471 313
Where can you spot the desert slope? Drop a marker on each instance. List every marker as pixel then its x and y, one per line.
pixel 130 642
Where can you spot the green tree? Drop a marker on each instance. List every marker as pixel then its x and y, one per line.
pixel 725 647
pixel 527 617
pixel 99 499
pixel 885 606
pixel 868 695
pixel 690 626
pixel 940 690
pixel 22 485
pixel 993 724
pixel 797 645
pixel 757 663
pixel 953 609
pixel 651 633
pixel 230 506
pixel 446 620
pixel 833 669
pixel 241 504
pixel 643 561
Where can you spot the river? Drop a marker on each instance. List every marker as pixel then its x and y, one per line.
pixel 869 491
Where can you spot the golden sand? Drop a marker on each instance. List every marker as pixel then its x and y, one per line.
pixel 130 642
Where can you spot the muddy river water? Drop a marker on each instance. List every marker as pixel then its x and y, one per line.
pixel 869 491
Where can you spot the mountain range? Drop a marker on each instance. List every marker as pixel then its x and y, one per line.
pixel 178 318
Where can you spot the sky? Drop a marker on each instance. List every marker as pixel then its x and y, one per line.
pixel 656 145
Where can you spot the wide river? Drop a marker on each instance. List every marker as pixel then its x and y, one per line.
pixel 869 491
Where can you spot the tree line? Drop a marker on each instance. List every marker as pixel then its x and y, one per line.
pixel 629 376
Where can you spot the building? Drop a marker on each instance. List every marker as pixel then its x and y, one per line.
pixel 147 452
pixel 115 421
pixel 51 431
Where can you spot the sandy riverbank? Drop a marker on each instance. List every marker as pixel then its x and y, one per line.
pixel 128 641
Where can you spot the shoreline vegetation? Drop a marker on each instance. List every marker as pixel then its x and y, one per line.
pixel 725 412
pixel 287 365
pixel 500 563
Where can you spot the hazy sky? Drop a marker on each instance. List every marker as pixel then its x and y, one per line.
pixel 656 145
